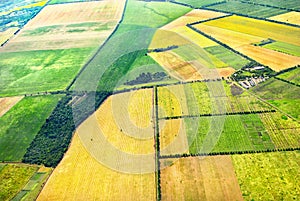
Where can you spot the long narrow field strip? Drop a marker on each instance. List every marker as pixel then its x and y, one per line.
pixel 193 16
pixel 209 178
pixel 68 26
pixel 290 17
pixel 247 9
pixel 196 3
pixel 7 103
pixel 284 48
pixel 13 177
pixel 258 28
pixel 275 60
pixel 291 4
pixel 79 176
pixel 268 176
pixel 21 123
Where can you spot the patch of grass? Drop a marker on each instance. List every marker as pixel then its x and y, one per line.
pixel 240 133
pixel 248 9
pixel 290 106
pixel 42 30
pixel 13 178
pixel 232 59
pixel 268 176
pixel 39 71
pixel 21 123
pixel 284 47
pixel 292 76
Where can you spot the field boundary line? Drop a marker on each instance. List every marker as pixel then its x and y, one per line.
pixel 220 114
pixel 229 153
pixel 99 49
pixel 267 5
pixel 210 19
pixel 74 2
pixel 287 81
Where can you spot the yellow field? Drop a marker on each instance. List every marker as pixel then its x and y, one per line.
pixel 80 177
pixel 195 178
pixel 193 16
pixel 290 17
pixel 232 38
pixel 165 38
pixel 240 32
pixel 7 103
pixel 41 3
pixel 4 36
pixel 276 60
pixel 63 26
pixel 259 28
pixel 121 128
pixel 173 138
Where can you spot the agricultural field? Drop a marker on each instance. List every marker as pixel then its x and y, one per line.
pixel 13 177
pixel 241 32
pixel 197 178
pixel 239 133
pixel 291 4
pixel 39 71
pixel 268 176
pixel 72 179
pixel 197 4
pixel 284 48
pixel 283 130
pixel 290 17
pixel 24 119
pixel 292 76
pixel 66 26
pixel 247 9
pixel 7 103
pixel 282 95
pixel 7 34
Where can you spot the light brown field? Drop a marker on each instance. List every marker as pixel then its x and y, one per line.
pixel 225 72
pixel 5 35
pixel 173 138
pixel 165 38
pixel 276 60
pixel 176 66
pixel 65 26
pixel 7 103
pixel 193 16
pixel 120 124
pixel 290 17
pixel 80 177
pixel 195 178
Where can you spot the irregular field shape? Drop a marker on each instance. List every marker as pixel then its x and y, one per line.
pixel 268 176
pixel 290 17
pixel 197 178
pixel 284 48
pixel 193 16
pixel 72 180
pixel 7 103
pixel 292 76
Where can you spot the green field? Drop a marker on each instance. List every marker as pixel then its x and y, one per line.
pixel 232 59
pixel 248 9
pixel 33 187
pixel 197 3
pixel 268 176
pixel 284 47
pixel 292 76
pixel 133 35
pixel 240 133
pixel 20 124
pixel 283 95
pixel 292 4
pixel 13 177
pixel 39 71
